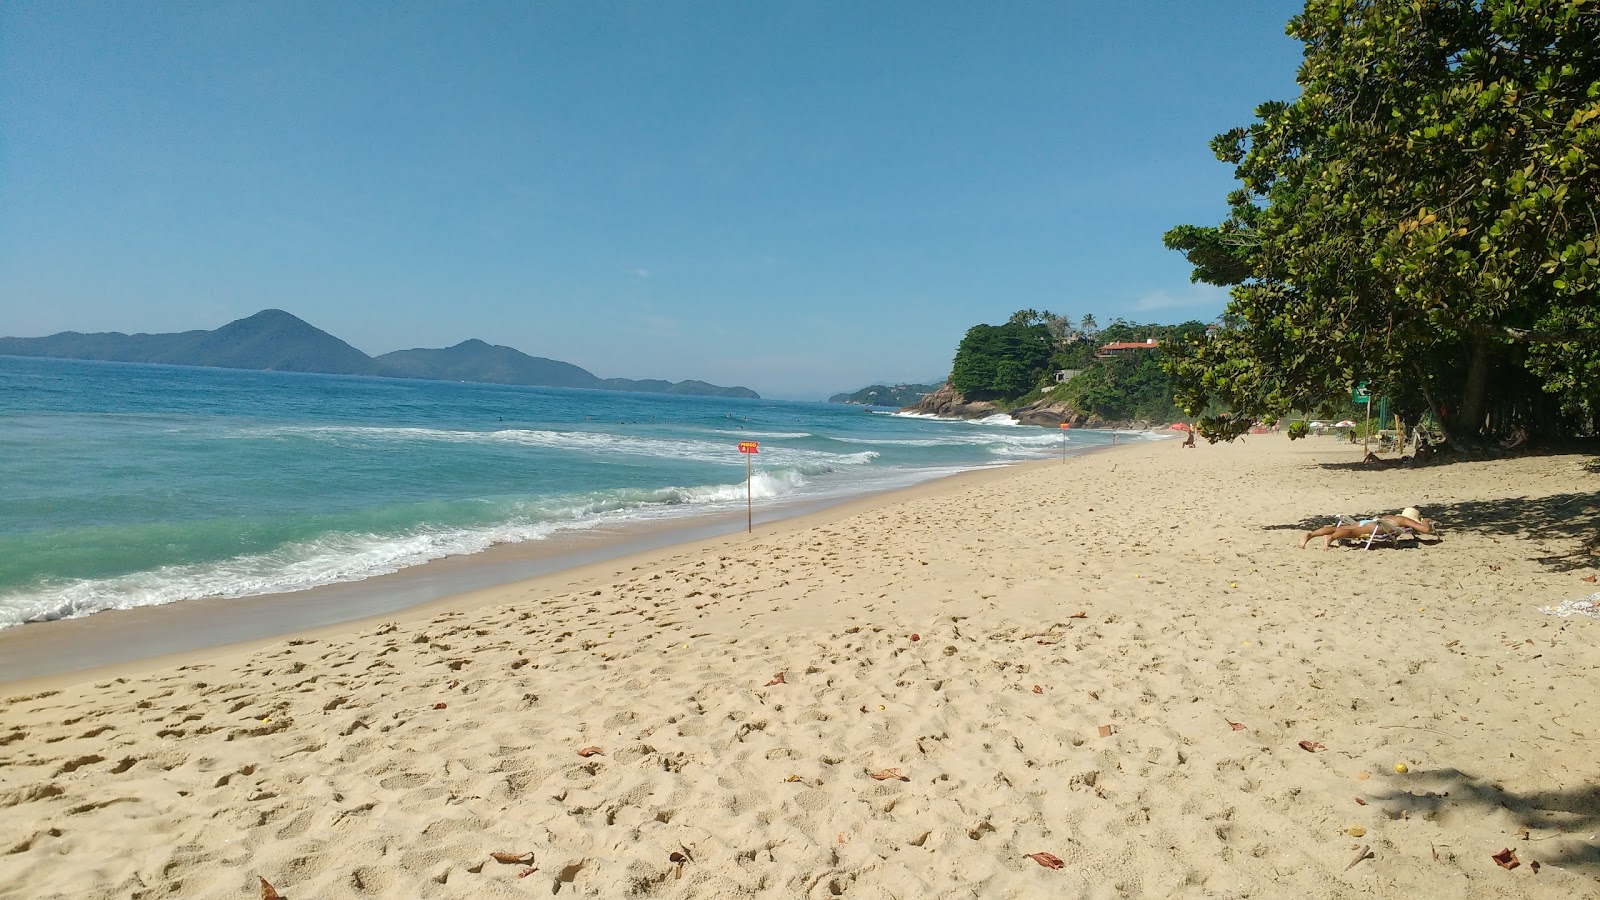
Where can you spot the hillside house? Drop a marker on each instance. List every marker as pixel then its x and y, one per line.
pixel 1125 348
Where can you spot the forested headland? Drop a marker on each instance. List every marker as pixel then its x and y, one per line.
pixel 1070 369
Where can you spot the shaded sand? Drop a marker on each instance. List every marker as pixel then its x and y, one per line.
pixel 390 760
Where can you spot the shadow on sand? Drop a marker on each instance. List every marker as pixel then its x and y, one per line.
pixel 1558 822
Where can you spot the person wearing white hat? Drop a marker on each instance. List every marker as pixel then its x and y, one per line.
pixel 1409 518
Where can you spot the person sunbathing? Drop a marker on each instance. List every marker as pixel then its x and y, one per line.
pixel 1410 518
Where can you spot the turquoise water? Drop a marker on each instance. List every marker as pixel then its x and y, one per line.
pixel 125 485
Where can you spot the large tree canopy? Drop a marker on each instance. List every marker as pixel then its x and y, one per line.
pixel 1001 360
pixel 1425 217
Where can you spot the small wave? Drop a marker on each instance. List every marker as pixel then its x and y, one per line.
pixel 913 415
pixel 341 557
pixel 581 441
pixel 774 435
pixel 330 559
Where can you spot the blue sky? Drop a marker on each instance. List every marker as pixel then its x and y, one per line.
pixel 800 197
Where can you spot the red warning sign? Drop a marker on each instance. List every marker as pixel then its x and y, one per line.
pixel 749 447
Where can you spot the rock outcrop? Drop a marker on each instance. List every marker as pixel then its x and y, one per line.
pixel 947 403
pixel 1048 414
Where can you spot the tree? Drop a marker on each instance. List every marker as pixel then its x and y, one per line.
pixel 1060 327
pixel 996 361
pixel 1424 217
pixel 1088 326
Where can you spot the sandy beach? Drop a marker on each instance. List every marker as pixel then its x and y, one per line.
pixel 1122 661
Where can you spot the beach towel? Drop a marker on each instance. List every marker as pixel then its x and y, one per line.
pixel 1583 606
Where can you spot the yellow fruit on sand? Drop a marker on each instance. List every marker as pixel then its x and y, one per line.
pixel 1402 768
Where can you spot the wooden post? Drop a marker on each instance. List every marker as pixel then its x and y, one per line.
pixel 749 449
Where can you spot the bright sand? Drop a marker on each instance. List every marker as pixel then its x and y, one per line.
pixel 390 760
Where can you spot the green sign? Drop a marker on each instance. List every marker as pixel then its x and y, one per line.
pixel 1361 394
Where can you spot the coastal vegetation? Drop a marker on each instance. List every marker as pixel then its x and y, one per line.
pixel 1424 217
pixel 999 361
pixel 274 340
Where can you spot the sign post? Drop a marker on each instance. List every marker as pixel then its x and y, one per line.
pixel 1362 395
pixel 1064 427
pixel 749 449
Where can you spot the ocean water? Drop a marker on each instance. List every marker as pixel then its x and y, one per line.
pixel 125 485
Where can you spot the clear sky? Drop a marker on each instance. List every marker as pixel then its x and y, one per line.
pixel 801 197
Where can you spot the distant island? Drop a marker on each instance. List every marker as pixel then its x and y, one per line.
pixel 883 395
pixel 273 340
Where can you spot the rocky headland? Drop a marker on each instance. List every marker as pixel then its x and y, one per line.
pixel 948 403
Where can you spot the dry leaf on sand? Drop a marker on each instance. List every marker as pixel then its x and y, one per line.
pixel 591 751
pixel 1048 860
pixel 889 775
pixel 776 679
pixel 1080 614
pixel 1366 851
pixel 1311 746
pixel 440 705
pixel 1360 802
pixel 1589 578
pixel 528 871
pixel 268 892
pixel 1236 726
pixel 512 858
pixel 1037 689
pixel 1506 859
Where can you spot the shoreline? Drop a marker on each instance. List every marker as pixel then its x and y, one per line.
pixel 41 655
pixel 1126 663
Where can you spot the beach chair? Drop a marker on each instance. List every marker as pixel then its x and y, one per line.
pixel 1385 533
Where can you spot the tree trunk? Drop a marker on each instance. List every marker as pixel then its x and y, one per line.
pixel 1469 420
pixel 1427 395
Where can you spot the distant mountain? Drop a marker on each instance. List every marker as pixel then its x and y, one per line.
pixel 884 395
pixel 278 341
pixel 270 339
pixel 475 360
pixel 689 388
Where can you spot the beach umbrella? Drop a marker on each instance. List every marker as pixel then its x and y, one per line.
pixel 1179 426
pixel 1345 424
